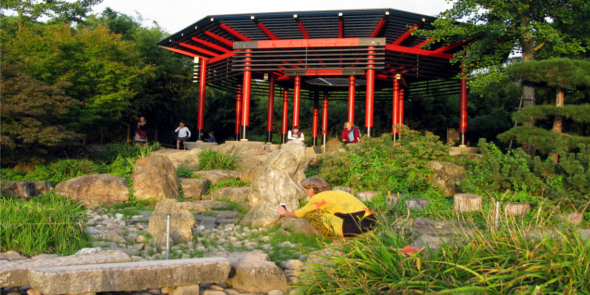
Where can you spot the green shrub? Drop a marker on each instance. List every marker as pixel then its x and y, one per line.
pixel 186 172
pixel 375 164
pixel 126 150
pixel 211 160
pixel 56 172
pixel 232 182
pixel 46 224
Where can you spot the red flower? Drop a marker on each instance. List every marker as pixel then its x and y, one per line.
pixel 322 203
pixel 408 250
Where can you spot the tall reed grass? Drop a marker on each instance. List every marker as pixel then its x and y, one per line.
pixel 211 159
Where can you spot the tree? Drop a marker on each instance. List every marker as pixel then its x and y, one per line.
pixel 30 115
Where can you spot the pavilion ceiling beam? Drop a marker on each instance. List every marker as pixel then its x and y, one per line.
pixel 423 43
pixel 183 52
pixel 404 36
pixel 418 51
pixel 451 46
pixel 264 29
pixel 220 39
pixel 382 23
pixel 301 27
pixel 214 46
pixel 234 32
pixel 195 48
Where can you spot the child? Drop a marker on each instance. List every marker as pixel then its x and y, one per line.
pixel 295 134
pixel 211 136
pixel 183 135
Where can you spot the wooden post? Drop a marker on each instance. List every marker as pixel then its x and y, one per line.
pixel 417 204
pixel 468 202
pixel 517 209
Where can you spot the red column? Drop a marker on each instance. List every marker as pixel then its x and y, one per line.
pixel 351 90
pixel 463 112
pixel 271 106
pixel 238 110
pixel 296 100
pixel 370 92
pixel 315 122
pixel 202 88
pixel 395 112
pixel 401 106
pixel 325 117
pixel 246 100
pixel 285 113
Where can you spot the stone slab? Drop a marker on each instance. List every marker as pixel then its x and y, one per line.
pixel 16 274
pixel 202 205
pixel 129 276
pixel 199 145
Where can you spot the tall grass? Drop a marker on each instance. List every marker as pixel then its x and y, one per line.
pixel 55 172
pixel 503 260
pixel 45 224
pixel 211 160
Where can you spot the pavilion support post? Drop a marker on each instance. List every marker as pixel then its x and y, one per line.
pixel 370 92
pixel 246 99
pixel 315 122
pixel 238 111
pixel 296 100
pixel 351 90
pixel 463 111
pixel 271 105
pixel 325 119
pixel 285 114
pixel 201 109
pixel 402 93
pixel 395 112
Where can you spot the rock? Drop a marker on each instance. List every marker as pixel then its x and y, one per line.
pixel 25 189
pixel 366 196
pixel 208 222
pixel 186 290
pixel 417 203
pixel 251 166
pixel 213 292
pixel 45 256
pixel 322 256
pixel 33 292
pixel 575 218
pixel 141 239
pixel 186 158
pixel 276 292
pixel 293 264
pixel 333 145
pixel 136 258
pixel 254 272
pixel 115 237
pixel 182 221
pixel 216 176
pixel 17 273
pixel 155 177
pixel 202 205
pixel 430 242
pixel 517 209
pixel 194 188
pixel 279 183
pixel 445 176
pixel 215 287
pixel 129 275
pixel 347 189
pixel 236 194
pixel 467 202
pixel 299 224
pixel 227 221
pixel 95 190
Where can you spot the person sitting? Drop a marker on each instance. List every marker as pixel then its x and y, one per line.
pixel 295 134
pixel 183 135
pixel 334 214
pixel 211 137
pixel 350 133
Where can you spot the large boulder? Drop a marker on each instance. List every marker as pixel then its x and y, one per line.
pixel 333 145
pixel 217 176
pixel 279 183
pixel 186 158
pixel 194 188
pixel 236 194
pixel 155 177
pixel 25 189
pixel 95 190
pixel 254 272
pixel 182 221
pixel 250 156
pixel 445 176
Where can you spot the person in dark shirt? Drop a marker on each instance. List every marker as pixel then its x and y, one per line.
pixel 211 136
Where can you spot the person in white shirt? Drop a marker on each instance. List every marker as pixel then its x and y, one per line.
pixel 183 135
pixel 295 134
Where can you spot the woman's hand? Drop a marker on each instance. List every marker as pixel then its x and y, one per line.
pixel 284 212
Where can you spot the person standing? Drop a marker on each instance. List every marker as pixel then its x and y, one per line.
pixel 141 131
pixel 350 133
pixel 183 135
pixel 295 134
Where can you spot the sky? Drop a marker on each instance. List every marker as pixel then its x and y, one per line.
pixel 175 15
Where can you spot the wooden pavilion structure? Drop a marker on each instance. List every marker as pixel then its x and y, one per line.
pixel 333 54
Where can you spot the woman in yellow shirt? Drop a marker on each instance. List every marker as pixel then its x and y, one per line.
pixel 333 213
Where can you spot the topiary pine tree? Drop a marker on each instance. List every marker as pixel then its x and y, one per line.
pixel 558 73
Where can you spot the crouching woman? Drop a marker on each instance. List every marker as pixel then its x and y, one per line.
pixel 333 213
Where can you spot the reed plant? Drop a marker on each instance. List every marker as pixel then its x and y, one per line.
pixel 48 223
pixel 211 159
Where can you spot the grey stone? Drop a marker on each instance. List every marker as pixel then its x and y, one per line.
pixel 299 224
pixel 347 189
pixel 227 221
pixel 216 176
pixel 137 221
pixel 194 188
pixel 182 221
pixel 213 292
pixel 333 145
pixel 276 292
pixel 17 273
pixel 25 189
pixel 141 239
pixel 445 176
pixel 185 290
pixel 208 222
pixel 95 189
pixel 236 194
pixel 366 196
pixel 155 177
pixel 202 205
pixel 115 237
pixel 425 226
pixel 128 276
pixel 430 242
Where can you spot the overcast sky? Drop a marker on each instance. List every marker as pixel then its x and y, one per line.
pixel 175 15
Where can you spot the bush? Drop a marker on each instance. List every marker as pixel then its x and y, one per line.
pixel 46 224
pixel 185 172
pixel 232 182
pixel 128 151
pixel 375 164
pixel 211 160
pixel 55 173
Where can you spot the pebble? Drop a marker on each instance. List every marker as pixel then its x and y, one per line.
pixel 165 290
pixel 215 287
pixel 91 222
pixel 276 292
pixel 265 239
pixel 141 239
pixel 213 292
pixel 154 291
pixel 13 293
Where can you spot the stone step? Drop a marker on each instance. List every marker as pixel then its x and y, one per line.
pixel 129 276
pixel 16 274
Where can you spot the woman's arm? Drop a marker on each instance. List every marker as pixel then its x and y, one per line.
pixel 302 137
pixel 345 135
pixel 289 213
pixel 177 129
pixel 289 135
pixel 188 131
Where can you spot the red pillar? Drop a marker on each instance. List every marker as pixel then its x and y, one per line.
pixel 325 117
pixel 463 112
pixel 246 99
pixel 296 100
pixel 315 122
pixel 395 112
pixel 285 113
pixel 370 92
pixel 401 106
pixel 202 88
pixel 271 106
pixel 351 90
pixel 238 110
